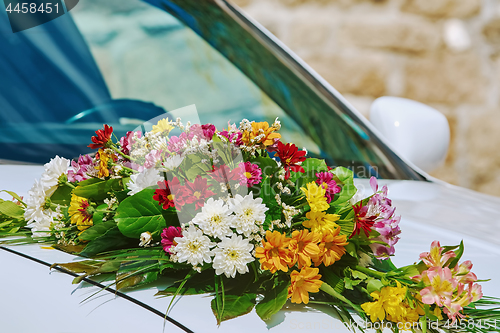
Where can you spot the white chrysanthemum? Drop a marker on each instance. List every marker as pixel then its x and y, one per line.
pixel 38 217
pixel 193 247
pixel 231 255
pixel 53 171
pixel 140 181
pixel 250 213
pixel 215 218
pixel 173 162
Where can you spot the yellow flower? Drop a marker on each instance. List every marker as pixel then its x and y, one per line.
pixel 79 212
pixel 321 222
pixel 304 246
pixel 304 282
pixel 262 129
pixel 315 196
pixel 163 126
pixel 274 254
pixel 331 248
pixel 104 158
pixel 390 303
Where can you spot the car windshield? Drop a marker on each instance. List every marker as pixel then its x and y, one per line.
pixel 123 63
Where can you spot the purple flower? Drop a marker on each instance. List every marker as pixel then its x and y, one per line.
pixel 325 180
pixel 79 172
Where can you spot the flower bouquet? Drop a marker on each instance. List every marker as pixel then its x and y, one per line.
pixel 242 216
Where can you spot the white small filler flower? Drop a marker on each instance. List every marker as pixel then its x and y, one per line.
pixel 233 255
pixel 193 247
pixel 215 218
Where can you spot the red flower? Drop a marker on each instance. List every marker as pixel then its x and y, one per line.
pixel 223 174
pixel 102 138
pixel 361 221
pixel 170 194
pixel 197 191
pixel 290 155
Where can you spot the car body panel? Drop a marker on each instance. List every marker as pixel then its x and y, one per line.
pixel 430 211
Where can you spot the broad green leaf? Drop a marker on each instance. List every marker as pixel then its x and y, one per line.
pixel 359 275
pixel 10 209
pixel 99 214
pixel 345 177
pixel 267 165
pixel 234 306
pixel 374 285
pixel 62 196
pixel 96 231
pixel 273 301
pixel 140 213
pixel 267 194
pixel 111 240
pixel 98 189
pixel 459 252
pixel 311 167
pixel 332 292
pixel 332 279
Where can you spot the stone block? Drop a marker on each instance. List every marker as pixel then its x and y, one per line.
pixel 401 33
pixel 358 74
pixel 446 78
pixel 443 8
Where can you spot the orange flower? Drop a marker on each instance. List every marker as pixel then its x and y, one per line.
pixel 261 128
pixel 103 163
pixel 331 248
pixel 304 246
pixel 304 282
pixel 274 254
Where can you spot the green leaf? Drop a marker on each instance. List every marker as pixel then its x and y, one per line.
pixel 311 167
pixel 350 284
pixel 10 209
pixel 14 195
pixel 359 275
pixel 98 189
pixel 137 273
pixel 267 194
pixel 140 213
pixel 459 252
pixel 333 280
pixel 273 301
pixel 201 283
pixel 96 231
pixel 267 165
pixel 111 240
pixel 62 196
pixel 234 306
pixel 345 177
pixel 332 292
pixel 374 285
pixel 99 214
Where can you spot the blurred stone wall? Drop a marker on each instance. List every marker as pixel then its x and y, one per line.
pixel 445 53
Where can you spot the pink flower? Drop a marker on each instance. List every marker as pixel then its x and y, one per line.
pixel 440 288
pixel 80 168
pixel 435 258
pixel 152 158
pixel 208 131
pixel 127 141
pixel 167 237
pixel 223 174
pixel 325 180
pixel 251 174
pixel 178 144
pixel 233 137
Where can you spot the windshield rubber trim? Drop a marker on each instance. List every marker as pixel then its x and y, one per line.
pixel 97 284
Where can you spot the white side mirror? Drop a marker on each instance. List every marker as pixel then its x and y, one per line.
pixel 416 131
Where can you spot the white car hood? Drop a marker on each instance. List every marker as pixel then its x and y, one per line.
pixel 430 211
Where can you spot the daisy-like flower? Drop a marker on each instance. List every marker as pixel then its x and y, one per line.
pixel 362 220
pixel 198 191
pixel 80 212
pixel 250 174
pixel 315 196
pixel 163 126
pixel 167 237
pixel 262 131
pixel 140 181
pixel 304 246
pixel 55 172
pixel 232 255
pixel 304 282
pixel 249 213
pixel 102 138
pixel 290 157
pixel 222 174
pixel 172 162
pixel 39 217
pixel 193 247
pixel 325 180
pixel 321 222
pixel 331 248
pixel 171 194
pixel 274 254
pixel 215 218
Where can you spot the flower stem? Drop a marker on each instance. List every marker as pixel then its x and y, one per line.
pixel 120 152
pixel 370 272
pixel 70 185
